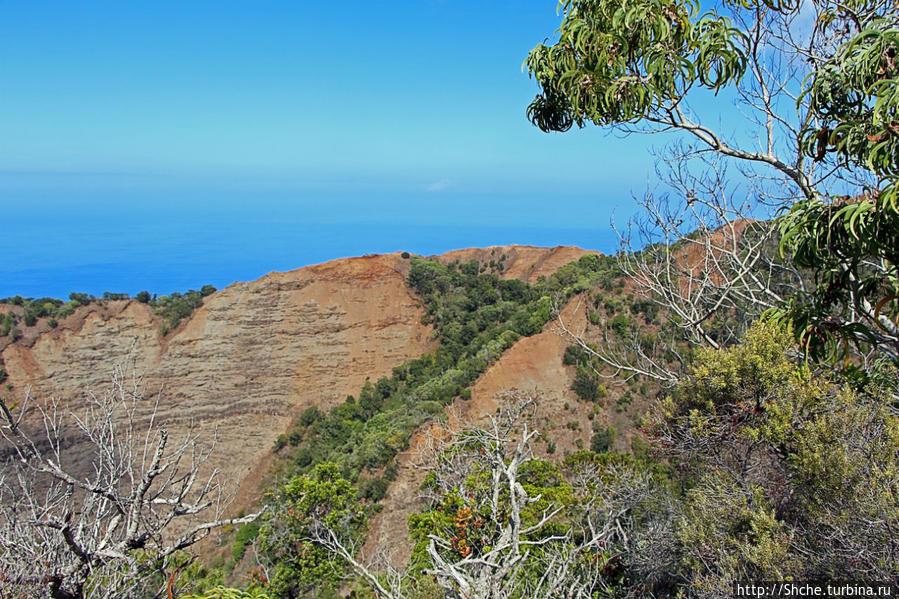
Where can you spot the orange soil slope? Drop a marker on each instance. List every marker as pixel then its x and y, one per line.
pixel 525 262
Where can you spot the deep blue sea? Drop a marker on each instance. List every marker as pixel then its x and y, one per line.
pixel 52 244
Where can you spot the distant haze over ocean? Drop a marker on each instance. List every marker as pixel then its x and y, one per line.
pixel 130 241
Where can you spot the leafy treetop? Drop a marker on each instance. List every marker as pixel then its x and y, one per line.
pixel 622 61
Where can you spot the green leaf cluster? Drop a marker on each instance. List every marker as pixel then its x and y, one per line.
pixel 790 472
pixel 177 306
pixel 285 538
pixel 854 91
pixel 851 241
pixel 618 61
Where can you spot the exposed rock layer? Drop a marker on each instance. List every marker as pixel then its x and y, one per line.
pixel 257 354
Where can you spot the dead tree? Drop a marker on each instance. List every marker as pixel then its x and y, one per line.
pixel 707 256
pixel 104 527
pixel 553 551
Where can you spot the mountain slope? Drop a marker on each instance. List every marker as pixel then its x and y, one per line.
pixel 248 362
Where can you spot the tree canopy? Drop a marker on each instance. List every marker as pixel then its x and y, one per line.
pixel 816 83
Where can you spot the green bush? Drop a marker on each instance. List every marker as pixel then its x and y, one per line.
pixel 247 533
pixel 80 299
pixel 299 565
pixel 641 449
pixel 244 536
pixel 310 416
pixel 177 306
pixel 575 355
pixel 585 384
pixel 620 324
pixel 9 320
pixel 374 489
pixel 294 437
pixel 602 439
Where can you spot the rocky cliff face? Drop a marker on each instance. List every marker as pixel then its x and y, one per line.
pixel 246 363
pixel 257 354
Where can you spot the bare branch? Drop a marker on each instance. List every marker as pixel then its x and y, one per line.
pixel 107 521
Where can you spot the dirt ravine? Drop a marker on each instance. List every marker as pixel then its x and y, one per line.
pixel 532 366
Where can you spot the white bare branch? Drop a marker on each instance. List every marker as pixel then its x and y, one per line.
pixel 98 525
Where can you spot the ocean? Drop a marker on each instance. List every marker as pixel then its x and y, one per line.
pixel 127 242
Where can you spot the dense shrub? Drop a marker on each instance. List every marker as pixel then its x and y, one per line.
pixel 602 439
pixel 80 299
pixel 585 384
pixel 620 324
pixel 310 416
pixel 177 306
pixel 374 489
pixel 7 324
pixel 245 535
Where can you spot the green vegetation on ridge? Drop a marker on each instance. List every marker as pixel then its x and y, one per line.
pixel 172 308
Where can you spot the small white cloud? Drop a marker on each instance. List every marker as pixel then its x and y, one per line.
pixel 438 185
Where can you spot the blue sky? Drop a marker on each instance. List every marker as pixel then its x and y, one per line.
pixel 345 114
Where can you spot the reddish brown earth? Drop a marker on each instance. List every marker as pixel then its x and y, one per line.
pixel 525 262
